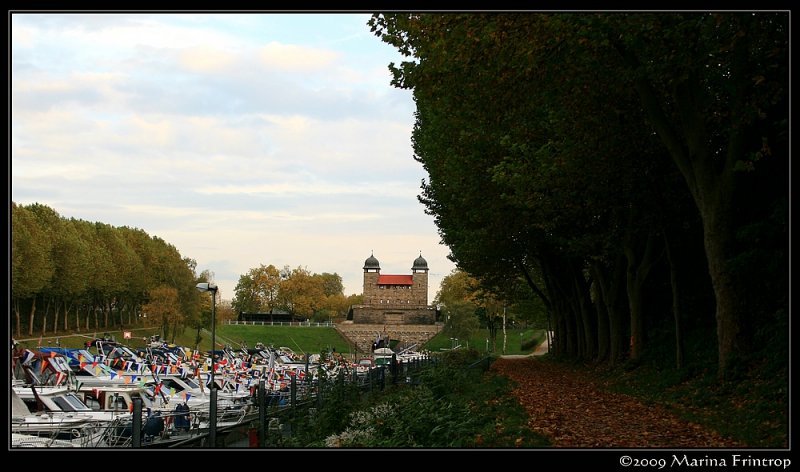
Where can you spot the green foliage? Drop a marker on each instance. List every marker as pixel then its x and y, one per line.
pixel 298 291
pixel 558 142
pixel 95 275
pixel 449 406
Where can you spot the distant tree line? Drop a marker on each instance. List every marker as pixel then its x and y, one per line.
pixel 630 168
pixel 467 305
pixel 319 297
pixel 73 275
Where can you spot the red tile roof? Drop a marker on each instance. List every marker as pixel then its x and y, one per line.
pixel 395 280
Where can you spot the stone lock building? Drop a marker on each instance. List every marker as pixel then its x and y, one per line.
pixel 395 299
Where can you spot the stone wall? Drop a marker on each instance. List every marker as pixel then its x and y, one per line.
pixel 363 335
pixel 393 315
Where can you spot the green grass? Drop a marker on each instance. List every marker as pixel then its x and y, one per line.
pixel 514 340
pixel 308 339
pixel 300 339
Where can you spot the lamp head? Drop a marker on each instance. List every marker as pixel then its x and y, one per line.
pixel 206 287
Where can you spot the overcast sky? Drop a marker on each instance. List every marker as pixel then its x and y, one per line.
pixel 241 139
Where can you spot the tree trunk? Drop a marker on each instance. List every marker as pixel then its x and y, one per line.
pixel 710 179
pixel 67 309
pixel 505 338
pixel 571 344
pixel 730 301
pixel 33 312
pixel 44 317
pixel 491 324
pixel 611 288
pixel 197 339
pixel 588 328
pixel 56 307
pixel 603 343
pixel 174 331
pixel 677 301
pixel 637 324
pixel 636 276
pixel 19 321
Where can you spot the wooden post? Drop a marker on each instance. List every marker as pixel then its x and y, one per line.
pixel 293 387
pixel 136 428
pixel 262 414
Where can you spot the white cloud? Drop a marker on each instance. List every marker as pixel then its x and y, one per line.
pixel 234 137
pixel 296 58
pixel 205 59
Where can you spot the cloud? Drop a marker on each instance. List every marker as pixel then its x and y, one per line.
pixel 296 58
pixel 205 59
pixel 240 139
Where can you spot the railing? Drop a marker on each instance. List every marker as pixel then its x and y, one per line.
pixel 276 413
pixel 325 324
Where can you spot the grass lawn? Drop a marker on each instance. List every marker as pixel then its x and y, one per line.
pixel 300 339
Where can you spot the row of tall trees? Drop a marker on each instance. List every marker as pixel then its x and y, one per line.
pixel 264 289
pixel 630 168
pixel 76 275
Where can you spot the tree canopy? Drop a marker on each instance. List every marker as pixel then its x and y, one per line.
pixel 70 274
pixel 576 151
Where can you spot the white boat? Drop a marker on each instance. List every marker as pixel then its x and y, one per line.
pixel 57 415
pixel 19 440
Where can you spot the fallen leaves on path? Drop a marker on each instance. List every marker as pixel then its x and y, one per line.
pixel 571 411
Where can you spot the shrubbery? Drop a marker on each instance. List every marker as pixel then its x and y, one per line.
pixel 449 404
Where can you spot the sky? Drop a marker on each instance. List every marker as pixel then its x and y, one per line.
pixel 240 139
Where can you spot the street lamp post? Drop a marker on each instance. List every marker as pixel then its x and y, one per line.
pixel 212 409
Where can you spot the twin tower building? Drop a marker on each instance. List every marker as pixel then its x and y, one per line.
pixel 395 299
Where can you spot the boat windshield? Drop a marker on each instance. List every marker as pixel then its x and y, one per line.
pixel 191 383
pixel 70 402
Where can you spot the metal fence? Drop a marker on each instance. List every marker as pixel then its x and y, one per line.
pixel 275 412
pixel 326 324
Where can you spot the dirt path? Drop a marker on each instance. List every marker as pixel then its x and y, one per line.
pixel 572 412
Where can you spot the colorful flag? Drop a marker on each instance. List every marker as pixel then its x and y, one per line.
pixel 27 357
